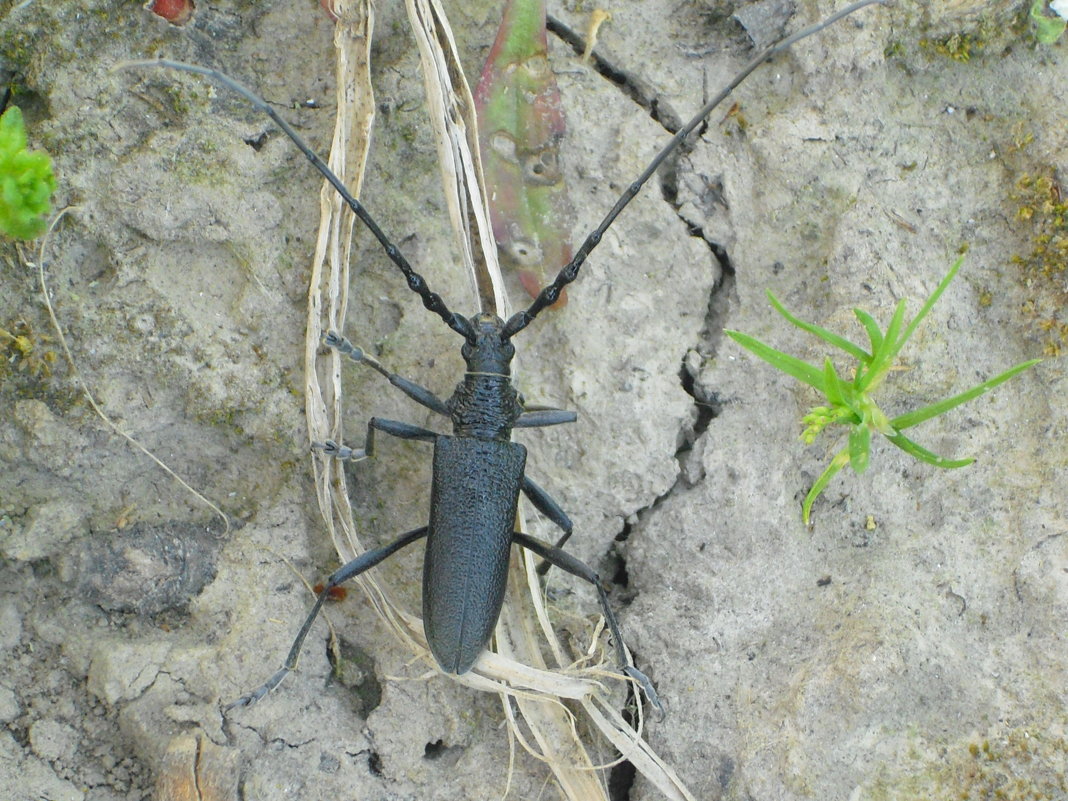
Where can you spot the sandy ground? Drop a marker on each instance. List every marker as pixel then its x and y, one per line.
pixel 911 644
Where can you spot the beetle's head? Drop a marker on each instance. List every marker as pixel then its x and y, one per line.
pixel 489 352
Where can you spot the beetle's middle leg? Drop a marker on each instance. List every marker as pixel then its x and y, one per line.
pixel 547 505
pixel 363 562
pixel 565 561
pixel 395 428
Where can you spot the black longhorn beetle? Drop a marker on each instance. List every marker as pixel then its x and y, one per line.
pixel 478 471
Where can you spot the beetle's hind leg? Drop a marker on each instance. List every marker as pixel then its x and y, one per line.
pixel 565 561
pixel 363 562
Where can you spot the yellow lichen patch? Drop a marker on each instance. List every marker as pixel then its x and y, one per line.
pixel 23 349
pixel 1042 209
pixel 958 46
pixel 1020 764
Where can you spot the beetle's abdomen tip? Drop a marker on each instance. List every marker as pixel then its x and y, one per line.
pixel 456 662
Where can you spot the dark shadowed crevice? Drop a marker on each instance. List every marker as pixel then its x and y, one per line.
pixel 707 402
pixel 354 668
pixel 620 577
pixel 620 781
pixel 433 750
pixel 447 756
pixel 707 407
pixel 374 764
pixel 257 142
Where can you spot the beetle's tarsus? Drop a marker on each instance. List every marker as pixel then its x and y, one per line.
pixel 342 345
pixel 248 699
pixel 340 452
pixel 647 687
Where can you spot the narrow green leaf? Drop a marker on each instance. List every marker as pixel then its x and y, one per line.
pixel 859 447
pixel 932 300
pixel 837 463
pixel 924 455
pixel 927 412
pixel 832 386
pixel 883 357
pixel 891 344
pixel 829 337
pixel 875 336
pixel 844 390
pixel 791 365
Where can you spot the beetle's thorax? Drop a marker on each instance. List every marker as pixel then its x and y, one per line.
pixel 485 405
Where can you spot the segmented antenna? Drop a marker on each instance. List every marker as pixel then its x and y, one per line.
pixel 416 282
pixel 547 297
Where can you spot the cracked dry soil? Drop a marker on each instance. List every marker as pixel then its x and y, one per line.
pixel 908 646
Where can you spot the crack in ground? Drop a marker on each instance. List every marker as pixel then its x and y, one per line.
pixel 706 402
pixel 637 89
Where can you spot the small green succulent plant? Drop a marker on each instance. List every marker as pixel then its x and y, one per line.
pixel 26 181
pixel 1049 27
pixel 850 402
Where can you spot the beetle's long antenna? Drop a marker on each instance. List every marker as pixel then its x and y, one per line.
pixel 416 282
pixel 548 296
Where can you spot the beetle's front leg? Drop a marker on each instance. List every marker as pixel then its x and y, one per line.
pixel 565 561
pixel 418 393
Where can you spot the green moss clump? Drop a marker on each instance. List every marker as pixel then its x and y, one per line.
pixel 16 46
pixel 26 181
pixel 991 32
pixel 1048 27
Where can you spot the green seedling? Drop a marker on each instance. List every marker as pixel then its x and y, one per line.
pixel 26 181
pixel 850 401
